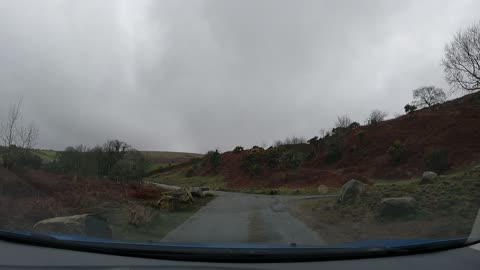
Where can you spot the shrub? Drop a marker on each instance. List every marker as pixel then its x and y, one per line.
pixel 397 152
pixel 252 163
pixel 354 125
pixel 129 168
pixel 437 160
pixel 21 158
pixel 257 148
pixel 410 108
pixel 213 159
pixel 334 149
pixel 273 158
pixel 238 149
pixel 293 159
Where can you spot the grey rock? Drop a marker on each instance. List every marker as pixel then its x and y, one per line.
pixel 428 178
pixel 351 191
pixel 85 224
pixel 396 207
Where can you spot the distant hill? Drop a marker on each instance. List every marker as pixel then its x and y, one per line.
pixel 155 160
pixel 169 157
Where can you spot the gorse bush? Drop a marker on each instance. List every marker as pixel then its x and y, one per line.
pixel 397 153
pixel 334 150
pixel 273 158
pixel 252 162
pixel 293 159
pixel 437 160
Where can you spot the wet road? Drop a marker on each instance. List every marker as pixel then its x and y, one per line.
pixel 246 218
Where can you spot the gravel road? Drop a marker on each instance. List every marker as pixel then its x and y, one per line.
pixel 246 218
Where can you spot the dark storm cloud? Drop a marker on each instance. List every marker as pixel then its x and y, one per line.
pixel 195 75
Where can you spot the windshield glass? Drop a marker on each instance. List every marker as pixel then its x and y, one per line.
pixel 241 123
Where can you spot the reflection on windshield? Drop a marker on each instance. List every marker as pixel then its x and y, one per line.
pixel 373 175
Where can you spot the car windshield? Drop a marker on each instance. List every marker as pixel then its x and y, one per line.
pixel 276 125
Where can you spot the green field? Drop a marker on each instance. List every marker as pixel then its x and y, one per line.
pixel 46 155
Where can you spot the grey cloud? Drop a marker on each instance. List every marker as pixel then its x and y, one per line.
pixel 195 75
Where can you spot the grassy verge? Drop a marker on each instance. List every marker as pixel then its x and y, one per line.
pixel 161 223
pixel 446 208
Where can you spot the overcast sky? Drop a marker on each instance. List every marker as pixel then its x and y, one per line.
pixel 197 75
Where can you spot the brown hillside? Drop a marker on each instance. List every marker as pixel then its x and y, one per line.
pixel 454 126
pixel 28 197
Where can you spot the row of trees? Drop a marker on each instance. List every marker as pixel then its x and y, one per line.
pixel 115 159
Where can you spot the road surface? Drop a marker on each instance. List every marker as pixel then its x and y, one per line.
pixel 246 218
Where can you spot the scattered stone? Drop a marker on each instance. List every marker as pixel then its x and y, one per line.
pixel 86 224
pixel 428 178
pixel 396 207
pixel 351 190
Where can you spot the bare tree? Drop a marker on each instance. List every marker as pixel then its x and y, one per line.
pixel 27 136
pixel 8 132
pixel 461 62
pixel 375 117
pixel 343 121
pixel 428 96
pixel 16 138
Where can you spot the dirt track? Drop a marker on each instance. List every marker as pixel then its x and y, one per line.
pixel 246 218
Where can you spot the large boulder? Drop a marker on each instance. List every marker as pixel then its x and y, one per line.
pixel 428 178
pixel 396 207
pixel 352 190
pixel 86 224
